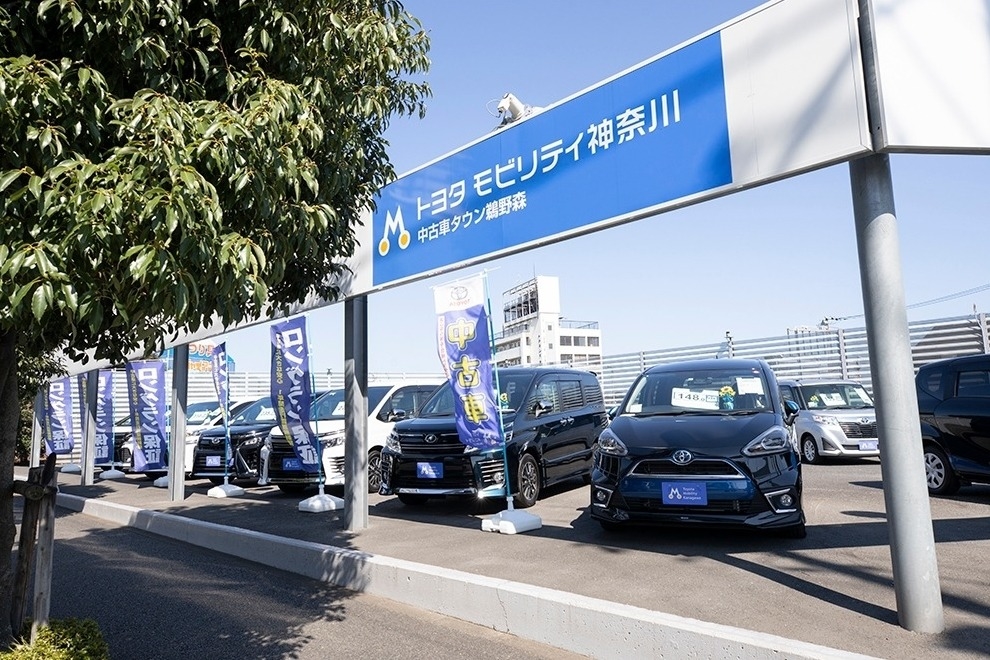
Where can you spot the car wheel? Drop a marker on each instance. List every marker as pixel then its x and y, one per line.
pixel 528 478
pixel 374 470
pixel 809 450
pixel 411 499
pixel 292 488
pixel 941 479
pixel 216 481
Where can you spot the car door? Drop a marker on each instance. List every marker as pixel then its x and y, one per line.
pixel 963 418
pixel 560 432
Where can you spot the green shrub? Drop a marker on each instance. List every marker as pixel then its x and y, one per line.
pixel 64 639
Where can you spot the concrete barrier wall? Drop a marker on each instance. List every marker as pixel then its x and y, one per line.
pixel 589 626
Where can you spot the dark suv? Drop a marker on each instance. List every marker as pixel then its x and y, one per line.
pixel 248 430
pixel 551 417
pixel 707 443
pixel 954 402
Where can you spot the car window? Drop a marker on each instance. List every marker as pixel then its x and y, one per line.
pixel 329 405
pixel 698 390
pixel 930 382
pixel 973 384
pixel 199 413
pixel 570 395
pixel 593 394
pixel 545 394
pixel 261 410
pixel 787 394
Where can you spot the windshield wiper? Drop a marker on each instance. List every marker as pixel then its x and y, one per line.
pixel 672 413
pixel 751 411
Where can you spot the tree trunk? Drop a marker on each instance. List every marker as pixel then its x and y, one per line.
pixel 9 418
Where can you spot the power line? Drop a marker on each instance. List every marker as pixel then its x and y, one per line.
pixel 933 301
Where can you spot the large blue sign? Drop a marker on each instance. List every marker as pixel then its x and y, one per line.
pixel 652 135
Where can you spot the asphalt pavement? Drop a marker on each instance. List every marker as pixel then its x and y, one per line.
pixel 830 595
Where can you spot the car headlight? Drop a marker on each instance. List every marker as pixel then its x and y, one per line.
pixel 251 443
pixel 826 420
pixel 193 437
pixel 392 443
pixel 774 440
pixel 609 443
pixel 332 439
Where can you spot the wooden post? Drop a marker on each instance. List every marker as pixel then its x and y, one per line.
pixel 33 491
pixel 44 559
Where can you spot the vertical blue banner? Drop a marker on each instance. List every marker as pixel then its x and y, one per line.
pixel 81 404
pixel 58 417
pixel 290 390
pixel 466 354
pixel 146 397
pixel 104 418
pixel 219 360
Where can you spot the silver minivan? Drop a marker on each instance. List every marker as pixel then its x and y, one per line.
pixel 837 418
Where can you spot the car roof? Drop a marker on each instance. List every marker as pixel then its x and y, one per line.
pixel 708 363
pixel 959 359
pixel 818 381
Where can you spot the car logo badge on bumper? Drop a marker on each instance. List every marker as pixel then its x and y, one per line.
pixel 431 438
pixel 682 457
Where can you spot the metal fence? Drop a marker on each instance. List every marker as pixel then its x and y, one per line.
pixel 824 352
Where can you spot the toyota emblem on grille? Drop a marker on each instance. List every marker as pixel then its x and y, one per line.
pixel 865 420
pixel 682 457
pixel 216 441
pixel 431 438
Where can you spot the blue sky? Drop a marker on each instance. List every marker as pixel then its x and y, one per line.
pixel 668 280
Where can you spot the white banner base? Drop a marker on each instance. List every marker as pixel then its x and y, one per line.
pixel 112 473
pixel 71 468
pixel 321 503
pixel 511 521
pixel 225 490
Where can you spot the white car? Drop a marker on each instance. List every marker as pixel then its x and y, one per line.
pixel 387 403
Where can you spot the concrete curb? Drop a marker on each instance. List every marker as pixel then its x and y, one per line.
pixel 588 626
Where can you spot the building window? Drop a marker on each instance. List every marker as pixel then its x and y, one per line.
pixel 566 357
pixel 594 341
pixel 565 340
pixel 528 359
pixel 529 341
pixel 580 341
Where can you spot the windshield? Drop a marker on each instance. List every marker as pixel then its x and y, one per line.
pixel 721 391
pixel 821 396
pixel 260 411
pixel 512 389
pixel 331 404
pixel 200 413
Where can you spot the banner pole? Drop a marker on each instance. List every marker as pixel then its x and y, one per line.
pixel 226 416
pixel 312 391
pixel 498 404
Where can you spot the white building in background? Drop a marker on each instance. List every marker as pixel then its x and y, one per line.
pixel 534 332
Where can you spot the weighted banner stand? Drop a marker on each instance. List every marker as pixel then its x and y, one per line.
pixel 320 502
pixel 222 386
pixel 509 521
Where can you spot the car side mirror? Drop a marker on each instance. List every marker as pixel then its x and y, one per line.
pixel 396 415
pixel 541 407
pixel 790 411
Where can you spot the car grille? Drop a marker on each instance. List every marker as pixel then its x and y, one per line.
pixel 732 507
pixel 857 430
pixel 697 468
pixel 608 465
pixel 446 444
pixel 457 473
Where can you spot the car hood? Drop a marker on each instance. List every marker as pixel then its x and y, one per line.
pixel 427 425
pixel 861 415
pixel 713 435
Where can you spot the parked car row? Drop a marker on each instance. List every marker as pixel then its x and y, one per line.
pixel 716 442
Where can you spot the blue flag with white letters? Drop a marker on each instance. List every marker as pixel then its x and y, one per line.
pixel 146 396
pixel 104 417
pixel 57 425
pixel 291 391
pixel 466 354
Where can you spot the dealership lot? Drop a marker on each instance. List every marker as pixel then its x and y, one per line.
pixel 833 588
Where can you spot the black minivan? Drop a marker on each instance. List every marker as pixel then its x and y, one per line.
pixel 701 443
pixel 954 404
pixel 551 417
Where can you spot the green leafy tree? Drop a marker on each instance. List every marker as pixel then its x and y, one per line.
pixel 168 164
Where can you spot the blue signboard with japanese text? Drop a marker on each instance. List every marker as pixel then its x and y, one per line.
pixel 291 392
pixel 657 133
